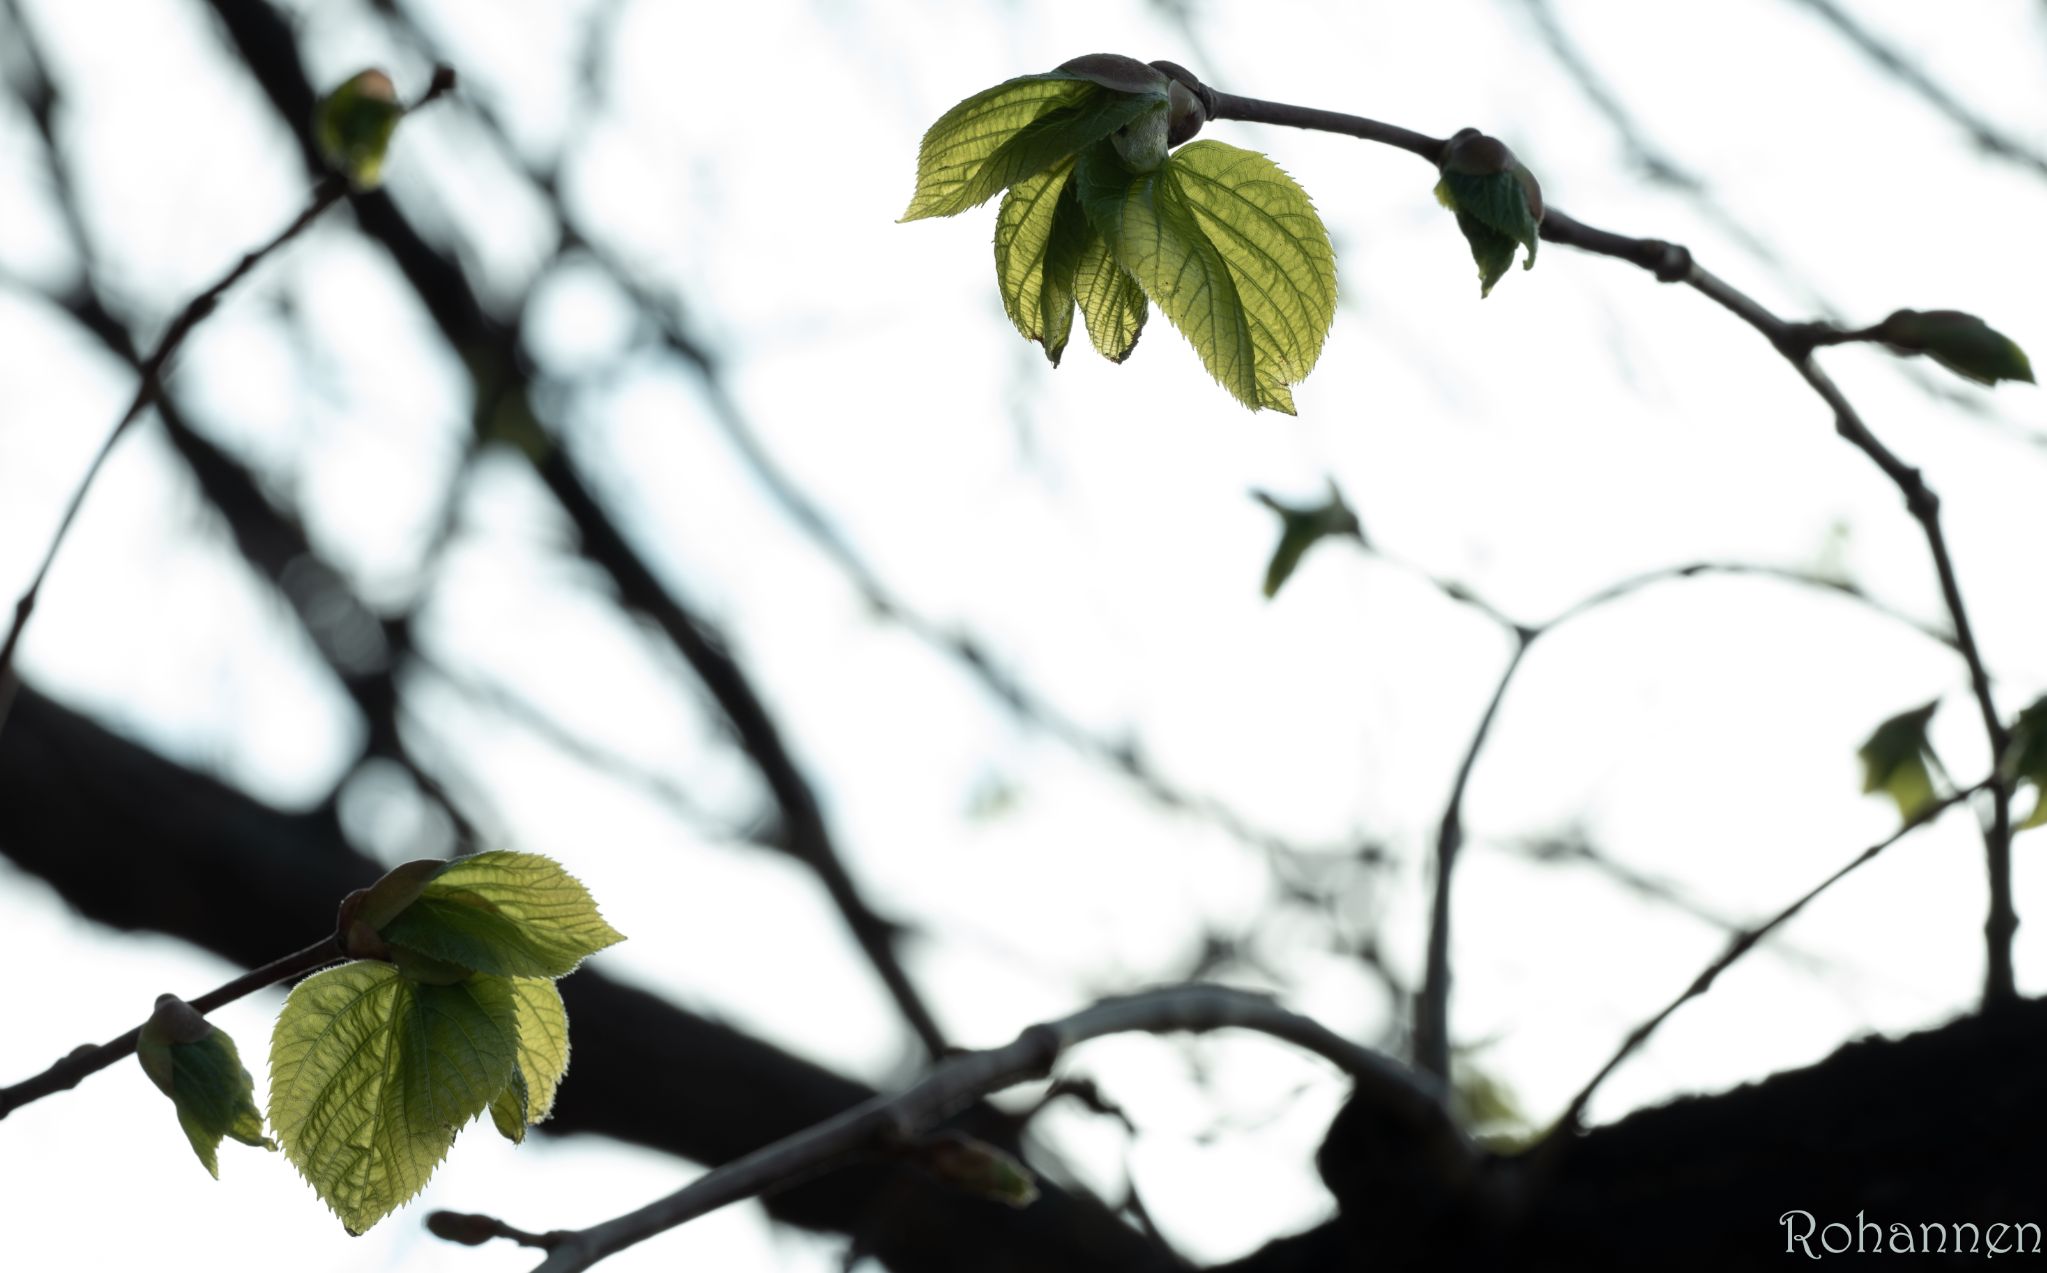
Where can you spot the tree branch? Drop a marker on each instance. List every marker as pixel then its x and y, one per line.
pixel 329 191
pixel 1740 945
pixel 90 1059
pixel 1410 1101
pixel 1673 263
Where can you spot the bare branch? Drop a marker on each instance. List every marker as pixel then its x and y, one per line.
pixel 1408 1100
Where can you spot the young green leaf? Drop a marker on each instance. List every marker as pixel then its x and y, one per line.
pixel 543 1058
pixel 353 126
pixel 2026 761
pixel 1232 250
pixel 1016 130
pixel 510 914
pixel 1039 233
pixel 1110 300
pixel 194 1062
pixel 1301 527
pixel 372 1075
pixel 1497 201
pixel 1963 343
pixel 1894 760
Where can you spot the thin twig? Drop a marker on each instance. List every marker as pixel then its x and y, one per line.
pixel 91 1059
pixel 1673 263
pixel 1740 945
pixel 330 191
pixel 1408 1100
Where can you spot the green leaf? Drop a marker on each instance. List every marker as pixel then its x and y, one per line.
pixel 195 1063
pixel 1110 300
pixel 1016 130
pixel 1963 343
pixel 1894 760
pixel 1233 252
pixel 2026 760
pixel 1497 201
pixel 1301 527
pixel 1039 233
pixel 510 914
pixel 543 1058
pixel 372 1075
pixel 353 126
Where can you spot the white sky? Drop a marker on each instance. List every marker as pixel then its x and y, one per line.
pixel 1090 524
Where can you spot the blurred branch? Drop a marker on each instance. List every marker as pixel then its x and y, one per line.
pixel 325 195
pixel 1409 1101
pixel 1991 139
pixel 360 647
pixel 1743 942
pixel 961 648
pixel 489 348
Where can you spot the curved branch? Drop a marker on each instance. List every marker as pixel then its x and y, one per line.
pixel 1410 1101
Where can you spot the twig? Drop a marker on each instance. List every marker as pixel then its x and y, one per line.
pixel 1673 263
pixel 1409 1100
pixel 1740 945
pixel 90 1059
pixel 330 191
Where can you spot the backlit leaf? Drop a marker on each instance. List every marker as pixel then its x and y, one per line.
pixel 372 1075
pixel 510 914
pixel 1233 252
pixel 1894 760
pixel 1110 300
pixel 1014 131
pixel 195 1063
pixel 1039 233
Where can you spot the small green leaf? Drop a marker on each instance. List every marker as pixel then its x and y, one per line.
pixel 2026 760
pixel 195 1063
pixel 508 1111
pixel 1894 760
pixel 1497 201
pixel 1232 250
pixel 509 914
pixel 372 1075
pixel 1301 527
pixel 1039 232
pixel 1110 300
pixel 353 125
pixel 1014 131
pixel 1963 343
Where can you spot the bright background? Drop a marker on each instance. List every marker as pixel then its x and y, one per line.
pixel 1089 525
